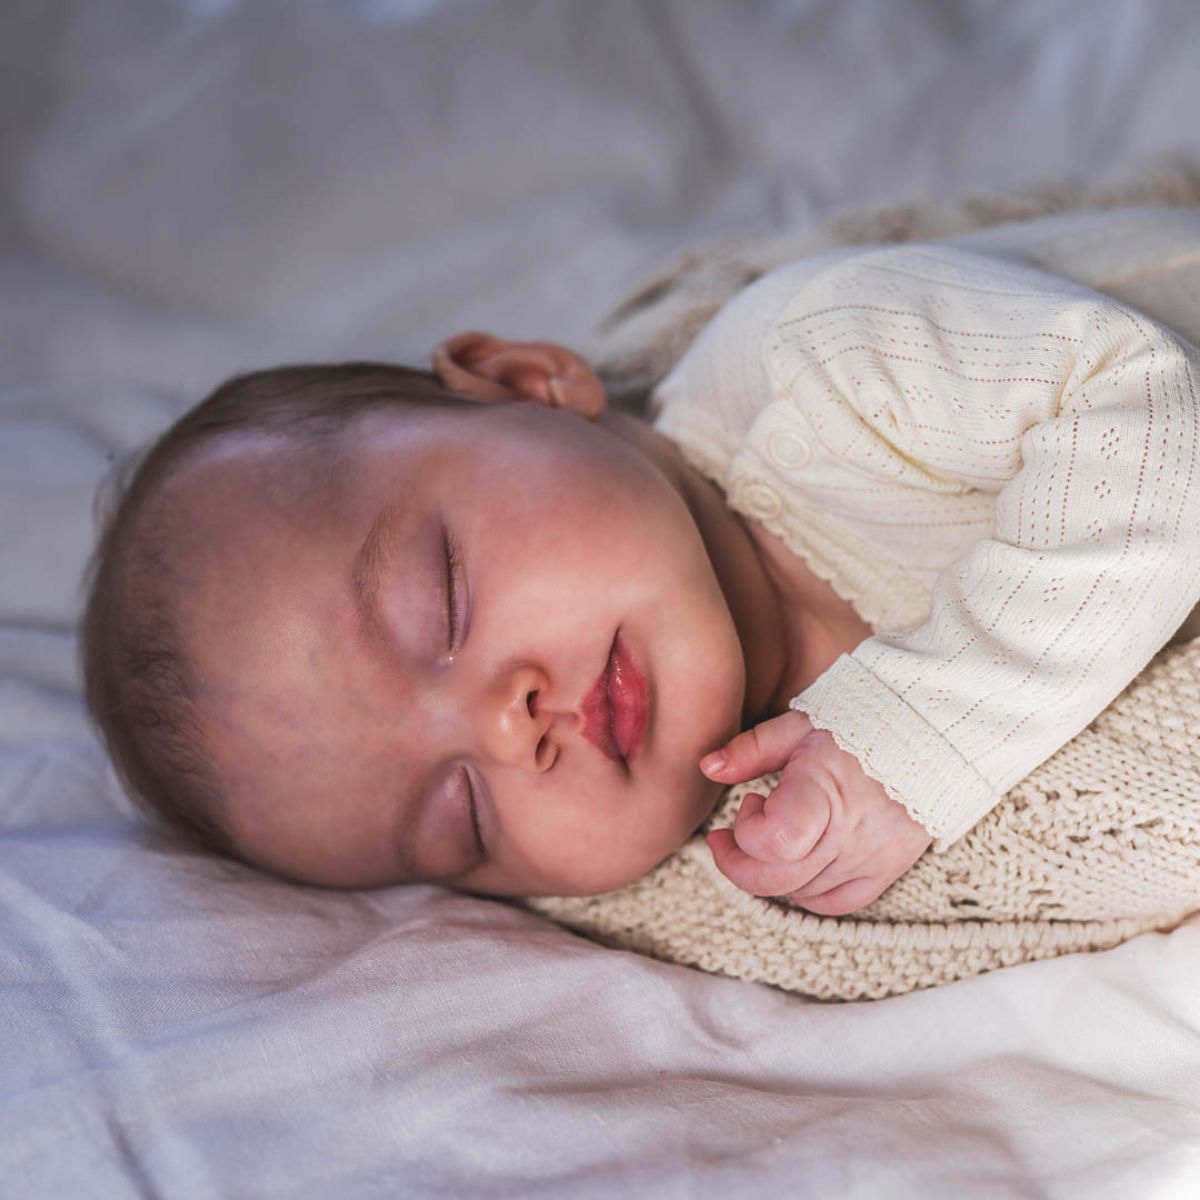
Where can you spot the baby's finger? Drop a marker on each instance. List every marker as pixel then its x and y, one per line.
pixel 783 828
pixel 835 873
pixel 759 879
pixel 845 898
pixel 756 751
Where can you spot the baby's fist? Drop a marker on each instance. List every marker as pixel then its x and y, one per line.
pixel 828 835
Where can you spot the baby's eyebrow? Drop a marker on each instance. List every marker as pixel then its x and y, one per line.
pixel 366 573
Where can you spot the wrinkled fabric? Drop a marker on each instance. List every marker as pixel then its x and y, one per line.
pixel 196 188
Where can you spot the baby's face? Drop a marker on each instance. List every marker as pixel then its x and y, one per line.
pixel 383 710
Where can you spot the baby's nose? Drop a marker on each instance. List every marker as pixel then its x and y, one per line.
pixel 510 723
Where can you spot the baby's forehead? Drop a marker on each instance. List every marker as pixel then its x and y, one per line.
pixel 225 506
pixel 244 524
pixel 309 457
pixel 316 479
pixel 243 475
pixel 281 465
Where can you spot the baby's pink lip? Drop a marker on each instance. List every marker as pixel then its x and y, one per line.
pixel 627 695
pixel 615 709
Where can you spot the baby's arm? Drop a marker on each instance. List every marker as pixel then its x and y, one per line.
pixel 932 368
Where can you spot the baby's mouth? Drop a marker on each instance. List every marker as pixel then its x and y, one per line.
pixel 615 708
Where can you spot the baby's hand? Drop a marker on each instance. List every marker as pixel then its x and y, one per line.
pixel 828 836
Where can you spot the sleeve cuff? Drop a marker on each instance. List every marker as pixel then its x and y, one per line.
pixel 895 745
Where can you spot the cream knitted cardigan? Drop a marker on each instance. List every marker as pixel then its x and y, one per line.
pixel 1101 842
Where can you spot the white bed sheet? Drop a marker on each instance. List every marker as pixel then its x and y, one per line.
pixel 190 189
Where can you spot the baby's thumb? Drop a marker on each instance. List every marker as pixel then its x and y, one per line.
pixel 756 751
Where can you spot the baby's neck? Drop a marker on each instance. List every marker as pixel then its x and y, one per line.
pixel 817 624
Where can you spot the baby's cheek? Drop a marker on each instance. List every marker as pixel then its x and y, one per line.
pixel 705 796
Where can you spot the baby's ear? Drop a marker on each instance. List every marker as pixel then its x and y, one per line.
pixel 487 368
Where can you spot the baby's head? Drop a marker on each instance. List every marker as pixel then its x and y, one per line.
pixel 358 624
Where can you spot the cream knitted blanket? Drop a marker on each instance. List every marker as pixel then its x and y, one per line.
pixel 1098 844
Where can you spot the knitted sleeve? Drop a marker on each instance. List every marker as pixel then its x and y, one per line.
pixel 926 372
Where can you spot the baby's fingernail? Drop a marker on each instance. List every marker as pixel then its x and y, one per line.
pixel 714 762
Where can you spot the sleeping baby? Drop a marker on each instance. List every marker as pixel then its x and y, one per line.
pixel 905 520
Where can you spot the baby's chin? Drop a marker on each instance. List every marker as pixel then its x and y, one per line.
pixel 587 880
